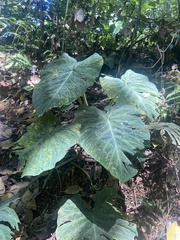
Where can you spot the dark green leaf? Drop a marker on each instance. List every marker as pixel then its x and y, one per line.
pixel 102 223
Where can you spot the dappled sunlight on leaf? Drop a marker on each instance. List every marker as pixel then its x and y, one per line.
pixel 64 80
pixel 116 131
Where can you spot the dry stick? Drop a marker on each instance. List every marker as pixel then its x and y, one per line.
pixel 166 218
pixel 85 100
pixel 135 197
pixel 161 58
pixel 163 51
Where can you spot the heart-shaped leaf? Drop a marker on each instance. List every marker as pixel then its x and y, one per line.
pixel 44 145
pixel 135 89
pixel 107 135
pixel 64 80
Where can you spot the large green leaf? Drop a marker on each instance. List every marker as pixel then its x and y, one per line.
pixel 44 145
pixel 108 135
pixel 7 215
pixel 64 80
pixel 102 223
pixel 135 89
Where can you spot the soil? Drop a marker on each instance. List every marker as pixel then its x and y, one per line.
pixel 151 199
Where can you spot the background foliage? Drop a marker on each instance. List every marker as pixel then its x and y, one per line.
pixel 121 30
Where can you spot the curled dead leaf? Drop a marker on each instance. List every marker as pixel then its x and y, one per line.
pixel 2 187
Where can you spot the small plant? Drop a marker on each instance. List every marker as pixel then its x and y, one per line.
pixel 17 62
pixel 110 135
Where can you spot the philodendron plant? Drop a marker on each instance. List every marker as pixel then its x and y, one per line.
pixel 109 136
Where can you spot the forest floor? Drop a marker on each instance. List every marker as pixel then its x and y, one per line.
pixel 151 199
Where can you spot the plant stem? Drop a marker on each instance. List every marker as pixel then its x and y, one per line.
pixel 80 101
pixel 85 100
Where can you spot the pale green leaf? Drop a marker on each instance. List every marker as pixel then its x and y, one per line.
pixel 64 80
pixel 8 215
pixel 5 232
pixel 135 89
pixel 118 27
pixel 102 223
pixel 107 135
pixel 44 145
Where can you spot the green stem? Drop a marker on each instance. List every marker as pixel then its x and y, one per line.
pixel 80 101
pixel 85 100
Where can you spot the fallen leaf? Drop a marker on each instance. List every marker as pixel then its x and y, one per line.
pixel 79 16
pixel 74 189
pixel 15 189
pixel 20 110
pixel 2 187
pixel 5 131
pixel 173 231
pixel 6 144
pixel 2 106
pixel 6 172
